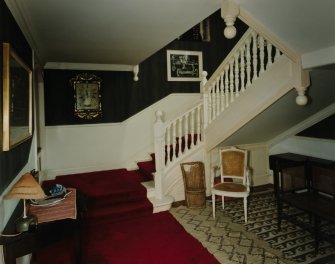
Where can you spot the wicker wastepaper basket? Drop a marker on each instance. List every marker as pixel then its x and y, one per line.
pixel 194 183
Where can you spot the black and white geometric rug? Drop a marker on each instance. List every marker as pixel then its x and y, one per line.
pixel 258 241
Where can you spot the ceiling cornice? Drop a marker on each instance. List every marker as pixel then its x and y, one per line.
pixel 88 66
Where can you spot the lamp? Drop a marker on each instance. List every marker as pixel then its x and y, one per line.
pixel 25 188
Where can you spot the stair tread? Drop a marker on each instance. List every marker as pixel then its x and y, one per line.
pixel 120 209
pixel 147 168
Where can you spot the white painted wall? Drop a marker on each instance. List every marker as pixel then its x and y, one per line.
pixel 83 148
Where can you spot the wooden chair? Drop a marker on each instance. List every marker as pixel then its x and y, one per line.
pixel 194 183
pixel 234 177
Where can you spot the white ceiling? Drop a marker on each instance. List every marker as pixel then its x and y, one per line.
pixel 129 31
pixel 106 31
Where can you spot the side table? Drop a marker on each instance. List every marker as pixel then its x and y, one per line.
pixel 49 230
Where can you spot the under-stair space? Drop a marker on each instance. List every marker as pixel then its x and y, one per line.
pixel 252 102
pixel 254 75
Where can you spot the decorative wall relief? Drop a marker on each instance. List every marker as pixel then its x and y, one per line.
pixel 87 96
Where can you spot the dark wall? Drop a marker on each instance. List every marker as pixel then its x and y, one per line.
pixel 11 162
pixel 325 129
pixel 121 96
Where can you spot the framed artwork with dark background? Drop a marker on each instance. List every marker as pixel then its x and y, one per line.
pixel 17 99
pixel 87 95
pixel 183 65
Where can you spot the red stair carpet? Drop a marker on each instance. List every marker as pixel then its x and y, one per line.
pixel 120 227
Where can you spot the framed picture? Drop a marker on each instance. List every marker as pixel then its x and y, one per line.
pixel 17 99
pixel 184 65
pixel 87 96
pixel 200 32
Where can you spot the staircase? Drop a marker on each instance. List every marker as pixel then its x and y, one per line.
pixel 111 196
pixel 236 92
pixel 147 168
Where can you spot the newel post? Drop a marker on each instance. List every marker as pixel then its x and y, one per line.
pixel 159 154
pixel 301 82
pixel 204 96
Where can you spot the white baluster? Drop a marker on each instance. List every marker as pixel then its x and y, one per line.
pixel 210 118
pixel 198 126
pixel 254 56
pixel 186 130
pixel 192 128
pixel 213 94
pixel 231 80
pixel 217 95
pixel 222 92
pixel 261 53
pixel 242 69
pixel 237 76
pixel 248 57
pixel 168 144
pixel 269 52
pixel 174 140
pixel 206 114
pixel 180 137
pixel 226 85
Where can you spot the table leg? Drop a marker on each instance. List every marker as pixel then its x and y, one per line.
pixel 316 233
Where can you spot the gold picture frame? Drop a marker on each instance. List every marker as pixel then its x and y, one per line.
pixel 87 96
pixel 17 99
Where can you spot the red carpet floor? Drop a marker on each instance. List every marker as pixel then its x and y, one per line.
pixel 119 226
pixel 156 238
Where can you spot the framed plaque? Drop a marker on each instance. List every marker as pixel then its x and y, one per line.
pixel 184 65
pixel 87 96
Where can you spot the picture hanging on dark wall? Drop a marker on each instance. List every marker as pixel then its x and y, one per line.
pixel 184 65
pixel 17 99
pixel 87 96
pixel 200 32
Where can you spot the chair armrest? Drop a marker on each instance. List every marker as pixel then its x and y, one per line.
pixel 248 178
pixel 213 173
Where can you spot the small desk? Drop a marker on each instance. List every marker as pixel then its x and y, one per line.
pixel 50 229
pixel 301 182
pixel 303 165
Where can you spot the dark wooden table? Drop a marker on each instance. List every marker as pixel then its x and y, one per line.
pixel 40 235
pixel 309 179
pixel 278 163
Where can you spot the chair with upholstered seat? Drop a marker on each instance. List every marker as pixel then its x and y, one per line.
pixel 234 177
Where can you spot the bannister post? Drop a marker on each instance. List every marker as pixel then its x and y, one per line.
pixel 204 97
pixel 301 82
pixel 159 154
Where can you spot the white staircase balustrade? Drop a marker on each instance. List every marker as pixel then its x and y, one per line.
pixel 174 139
pixel 249 59
pixel 252 57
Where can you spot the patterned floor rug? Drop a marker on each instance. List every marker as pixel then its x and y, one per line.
pixel 258 241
